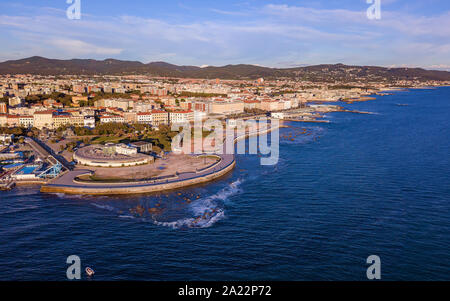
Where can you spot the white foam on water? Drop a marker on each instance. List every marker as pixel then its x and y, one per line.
pixel 20 209
pixel 126 216
pixel 206 211
pixel 106 207
pixel 70 196
pixel 186 222
pixel 199 222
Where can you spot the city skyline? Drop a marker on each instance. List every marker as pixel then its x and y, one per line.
pixel 268 33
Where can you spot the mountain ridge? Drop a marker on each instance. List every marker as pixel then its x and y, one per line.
pixel 38 65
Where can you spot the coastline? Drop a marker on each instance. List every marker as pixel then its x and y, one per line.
pixel 68 183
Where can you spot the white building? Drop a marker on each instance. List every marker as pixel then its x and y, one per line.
pixel 181 117
pixel 126 150
pixel 89 122
pixel 145 118
pixel 277 115
pixel 6 139
pixel 111 118
pixel 15 101
pixel 26 121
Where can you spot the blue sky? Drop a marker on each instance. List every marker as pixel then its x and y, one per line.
pixel 263 32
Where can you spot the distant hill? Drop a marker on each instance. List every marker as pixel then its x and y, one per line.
pixel 43 66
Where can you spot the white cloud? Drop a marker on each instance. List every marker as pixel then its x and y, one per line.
pixel 78 47
pixel 274 33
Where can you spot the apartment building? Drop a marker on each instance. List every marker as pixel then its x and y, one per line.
pixel 123 104
pixel 43 119
pixel 77 119
pixel 181 116
pixel 13 120
pixel 130 117
pixel 226 108
pixel 60 120
pixel 160 117
pixel 26 121
pixel 3 120
pixel 111 119
pixel 145 118
pixel 252 104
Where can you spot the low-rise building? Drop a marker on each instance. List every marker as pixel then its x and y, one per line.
pixel 111 119
pixel 143 146
pixel 6 139
pixel 123 149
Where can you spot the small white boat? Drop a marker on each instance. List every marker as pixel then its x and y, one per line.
pixel 90 272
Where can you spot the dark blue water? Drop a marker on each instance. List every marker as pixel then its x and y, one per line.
pixel 361 185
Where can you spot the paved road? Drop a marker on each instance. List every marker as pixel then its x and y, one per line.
pixel 44 151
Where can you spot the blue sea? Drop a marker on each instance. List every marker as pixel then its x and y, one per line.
pixel 364 184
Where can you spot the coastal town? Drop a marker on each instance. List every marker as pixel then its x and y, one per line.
pixel 53 124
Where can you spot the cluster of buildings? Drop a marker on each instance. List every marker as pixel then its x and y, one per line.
pixel 139 99
pixel 51 119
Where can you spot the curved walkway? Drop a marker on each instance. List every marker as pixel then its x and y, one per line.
pixel 68 184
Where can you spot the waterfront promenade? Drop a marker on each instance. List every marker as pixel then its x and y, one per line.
pixel 69 182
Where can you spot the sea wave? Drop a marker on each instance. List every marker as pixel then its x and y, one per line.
pixel 127 216
pixel 206 211
pixel 106 207
pixel 20 209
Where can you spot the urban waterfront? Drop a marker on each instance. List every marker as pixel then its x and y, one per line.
pixel 364 184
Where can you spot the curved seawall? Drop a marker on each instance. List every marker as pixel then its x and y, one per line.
pixel 127 188
pixel 68 183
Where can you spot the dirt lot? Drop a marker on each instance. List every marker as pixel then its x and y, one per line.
pixel 162 167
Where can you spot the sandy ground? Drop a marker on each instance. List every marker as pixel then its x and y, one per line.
pixel 162 167
pixel 56 148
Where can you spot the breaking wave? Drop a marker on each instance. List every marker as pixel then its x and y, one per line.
pixel 206 211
